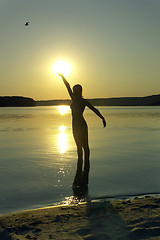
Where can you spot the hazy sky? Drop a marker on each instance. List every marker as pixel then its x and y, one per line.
pixel 113 47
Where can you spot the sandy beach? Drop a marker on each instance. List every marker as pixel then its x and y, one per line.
pixel 137 218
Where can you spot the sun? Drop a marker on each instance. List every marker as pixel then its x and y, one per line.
pixel 63 67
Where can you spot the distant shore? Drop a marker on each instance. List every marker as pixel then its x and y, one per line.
pixel 18 101
pixel 153 100
pixel 129 219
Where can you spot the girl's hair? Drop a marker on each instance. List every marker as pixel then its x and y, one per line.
pixel 77 90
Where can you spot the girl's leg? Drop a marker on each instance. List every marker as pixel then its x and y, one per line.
pixel 78 142
pixel 78 177
pixel 80 160
pixel 86 156
pixel 86 150
pixel 86 159
pixel 86 164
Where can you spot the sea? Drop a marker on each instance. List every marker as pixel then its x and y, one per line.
pixel 38 156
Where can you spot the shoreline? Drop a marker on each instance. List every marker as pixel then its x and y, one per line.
pixel 19 101
pixel 71 200
pixel 74 199
pixel 137 218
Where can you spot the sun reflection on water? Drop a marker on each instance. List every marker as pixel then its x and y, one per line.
pixel 62 139
pixel 63 109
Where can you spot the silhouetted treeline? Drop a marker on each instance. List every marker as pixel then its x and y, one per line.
pixel 127 101
pixel 16 101
pixel 122 101
pixel 53 102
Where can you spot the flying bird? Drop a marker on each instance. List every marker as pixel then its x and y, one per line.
pixel 26 24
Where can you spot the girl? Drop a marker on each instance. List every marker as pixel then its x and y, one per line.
pixel 80 129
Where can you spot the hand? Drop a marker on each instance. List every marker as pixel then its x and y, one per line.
pixel 61 75
pixel 104 122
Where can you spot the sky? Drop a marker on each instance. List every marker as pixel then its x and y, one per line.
pixel 113 47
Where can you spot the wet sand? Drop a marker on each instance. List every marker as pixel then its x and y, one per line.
pixel 137 218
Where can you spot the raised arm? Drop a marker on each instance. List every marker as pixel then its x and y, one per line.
pixel 96 111
pixel 66 84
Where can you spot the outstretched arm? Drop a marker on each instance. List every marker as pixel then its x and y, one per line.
pixel 66 84
pixel 97 112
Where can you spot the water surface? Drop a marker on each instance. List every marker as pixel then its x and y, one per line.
pixel 38 154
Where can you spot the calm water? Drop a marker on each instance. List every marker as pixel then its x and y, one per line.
pixel 38 154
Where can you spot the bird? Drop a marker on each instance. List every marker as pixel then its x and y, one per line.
pixel 26 24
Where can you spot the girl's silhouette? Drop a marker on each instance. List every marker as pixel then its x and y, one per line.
pixel 80 129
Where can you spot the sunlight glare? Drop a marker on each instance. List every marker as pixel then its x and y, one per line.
pixel 63 109
pixel 62 67
pixel 62 128
pixel 62 139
